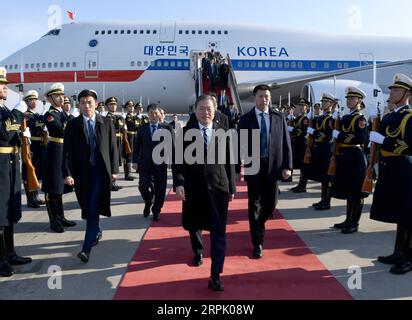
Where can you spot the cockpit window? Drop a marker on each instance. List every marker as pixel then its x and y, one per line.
pixel 54 32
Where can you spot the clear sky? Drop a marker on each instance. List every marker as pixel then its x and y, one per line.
pixel 24 22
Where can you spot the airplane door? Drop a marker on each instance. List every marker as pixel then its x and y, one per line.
pixel 366 59
pixel 91 65
pixel 167 32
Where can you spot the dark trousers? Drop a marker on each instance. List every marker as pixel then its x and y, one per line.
pixel 93 218
pixel 263 196
pixel 403 244
pixel 217 246
pixel 152 186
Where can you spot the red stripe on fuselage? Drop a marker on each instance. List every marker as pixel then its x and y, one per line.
pixel 82 76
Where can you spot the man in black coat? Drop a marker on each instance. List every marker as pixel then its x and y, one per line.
pixel 153 177
pixel 90 165
pixel 206 189
pixel 10 182
pixel 275 162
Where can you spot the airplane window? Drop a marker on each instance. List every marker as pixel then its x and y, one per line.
pixel 153 63
pixel 219 32
pixel 109 32
pixel 193 31
pixel 186 64
pixel 313 65
pixel 27 66
pixel 273 64
pixel 253 64
pixel 346 65
pixel 139 63
pixel 129 31
pixel 247 64
pixel 32 66
pixel 340 65
pixel 326 65
pixel 287 65
pixel 260 64
pixel 226 32
pixel 43 66
pixel 56 65
pixel 300 65
pixel 96 33
pixel 267 65
pixel 280 64
pixel 240 64
pixel 38 66
pixel 103 32
pixel 293 65
pixel 141 31
pixel 147 31
pixel 206 32
pixel 212 32
pixel 132 64
pixel 61 65
pixel 10 67
pixel 74 64
pixel 180 31
pixel 159 63
pixel 173 64
pixel 94 64
pixel 187 32
pixel 116 31
pixel 49 65
pixel 134 31
pixel 166 63
pixel 154 31
pixel 146 63
pixel 67 64
pixel 179 64
pixel 16 66
pixel 122 32
pixel 200 32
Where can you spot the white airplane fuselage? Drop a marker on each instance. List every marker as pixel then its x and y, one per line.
pixel 151 62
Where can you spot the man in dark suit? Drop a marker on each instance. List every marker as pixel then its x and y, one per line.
pixel 90 165
pixel 206 189
pixel 153 177
pixel 275 162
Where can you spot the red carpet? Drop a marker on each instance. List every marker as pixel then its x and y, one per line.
pixel 161 268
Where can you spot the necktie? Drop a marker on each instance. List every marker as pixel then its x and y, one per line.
pixel 264 149
pixel 91 143
pixel 154 128
pixel 205 139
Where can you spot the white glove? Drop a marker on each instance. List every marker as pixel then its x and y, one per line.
pixel 376 137
pixel 290 117
pixel 335 115
pixel 336 134
pixel 27 133
pixel 125 127
pixel 309 115
pixel 311 131
pixel 290 129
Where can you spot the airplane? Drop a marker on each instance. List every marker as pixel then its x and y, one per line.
pixel 158 61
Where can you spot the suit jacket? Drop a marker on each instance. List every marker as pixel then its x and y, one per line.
pixel 144 146
pixel 76 160
pixel 220 119
pixel 207 187
pixel 280 150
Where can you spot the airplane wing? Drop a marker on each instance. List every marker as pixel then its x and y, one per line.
pixel 245 89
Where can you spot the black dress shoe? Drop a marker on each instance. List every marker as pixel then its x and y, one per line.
pixel 15 260
pixel 317 204
pixel 351 228
pixel 258 252
pixel 67 223
pixel 84 257
pixel 323 207
pixel 33 204
pixel 56 226
pixel 129 178
pixel 341 226
pixel 98 238
pixel 6 270
pixel 392 259
pixel 216 285
pixel 114 188
pixel 147 208
pixel 198 260
pixel 156 217
pixel 40 202
pixel 300 190
pixel 402 267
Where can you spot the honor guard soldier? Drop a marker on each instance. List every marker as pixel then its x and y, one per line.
pixel 100 108
pixel 351 160
pixel 35 123
pixel 139 114
pixel 393 193
pixel 299 131
pixel 10 181
pixel 132 124
pixel 53 181
pixel 322 150
pixel 318 110
pixel 119 124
